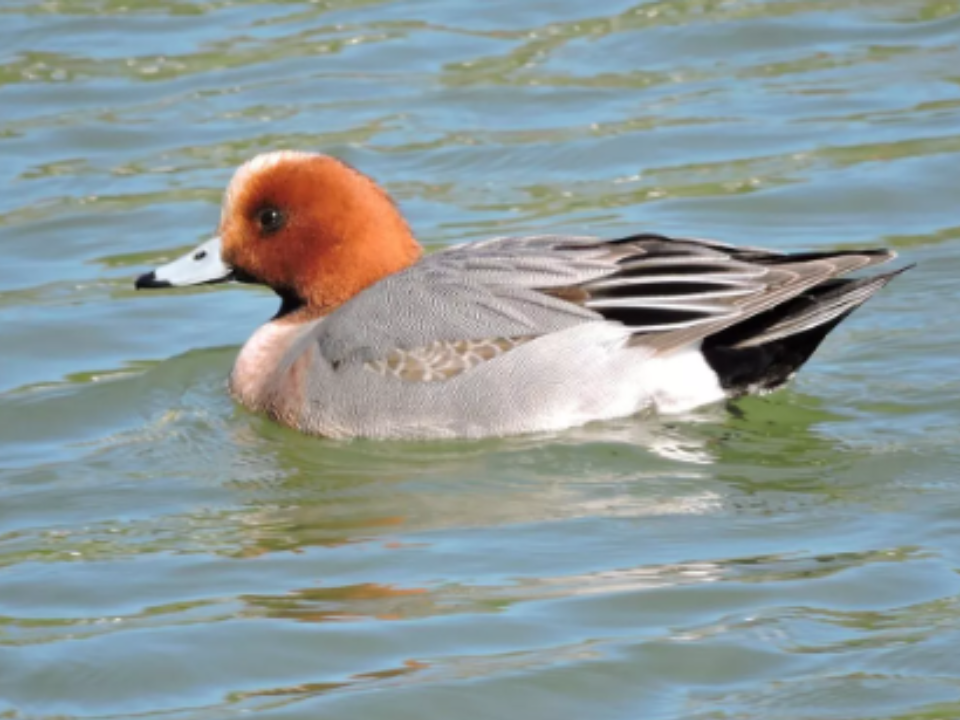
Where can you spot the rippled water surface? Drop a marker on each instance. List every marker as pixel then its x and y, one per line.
pixel 164 553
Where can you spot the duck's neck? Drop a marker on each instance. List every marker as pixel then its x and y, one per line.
pixel 366 241
pixel 349 267
pixel 346 270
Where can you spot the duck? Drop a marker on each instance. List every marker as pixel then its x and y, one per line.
pixel 374 338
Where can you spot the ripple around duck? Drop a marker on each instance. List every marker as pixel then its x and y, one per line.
pixel 164 552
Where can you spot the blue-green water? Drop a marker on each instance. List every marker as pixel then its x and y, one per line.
pixel 165 554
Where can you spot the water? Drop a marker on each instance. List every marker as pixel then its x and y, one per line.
pixel 163 553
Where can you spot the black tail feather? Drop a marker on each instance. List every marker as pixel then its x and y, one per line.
pixel 766 350
pixel 765 367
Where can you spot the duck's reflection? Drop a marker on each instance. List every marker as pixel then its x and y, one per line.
pixel 303 492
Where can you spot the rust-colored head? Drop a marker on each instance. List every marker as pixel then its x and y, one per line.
pixel 312 228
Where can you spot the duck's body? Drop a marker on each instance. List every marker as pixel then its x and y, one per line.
pixel 507 336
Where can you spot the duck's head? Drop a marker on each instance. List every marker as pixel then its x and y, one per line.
pixel 309 226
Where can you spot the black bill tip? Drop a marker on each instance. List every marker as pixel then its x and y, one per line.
pixel 149 281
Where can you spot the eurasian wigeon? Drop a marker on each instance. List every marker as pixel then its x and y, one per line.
pixel 510 335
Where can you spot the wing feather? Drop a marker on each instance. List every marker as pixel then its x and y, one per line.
pixel 469 304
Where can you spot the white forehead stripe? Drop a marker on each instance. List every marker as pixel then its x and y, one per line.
pixel 258 164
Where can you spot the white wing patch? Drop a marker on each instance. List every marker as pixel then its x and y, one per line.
pixel 442 360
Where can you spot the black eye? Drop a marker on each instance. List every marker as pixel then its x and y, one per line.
pixel 270 220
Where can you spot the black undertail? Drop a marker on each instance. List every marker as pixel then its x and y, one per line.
pixel 766 350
